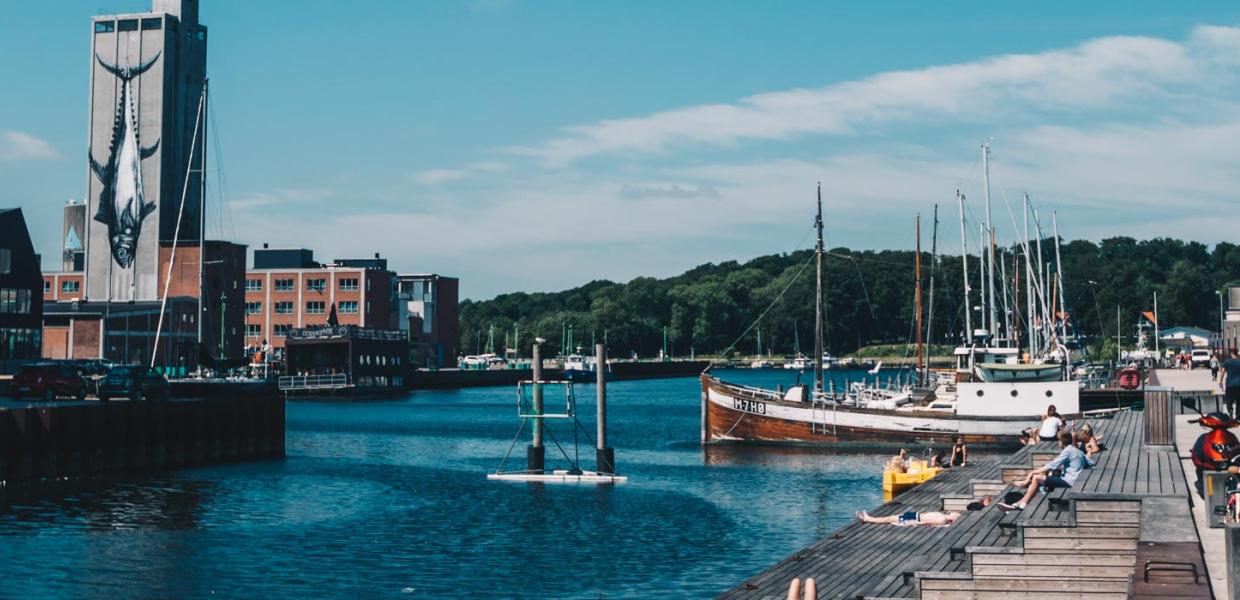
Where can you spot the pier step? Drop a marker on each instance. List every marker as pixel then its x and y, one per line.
pixel 950 586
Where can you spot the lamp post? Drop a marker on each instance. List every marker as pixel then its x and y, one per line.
pixel 1219 293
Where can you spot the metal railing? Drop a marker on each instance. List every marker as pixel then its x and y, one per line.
pixel 289 383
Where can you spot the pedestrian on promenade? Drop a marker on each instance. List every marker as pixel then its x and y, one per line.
pixel 1229 380
pixel 1214 365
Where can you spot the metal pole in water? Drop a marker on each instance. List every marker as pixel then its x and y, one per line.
pixel 605 456
pixel 535 453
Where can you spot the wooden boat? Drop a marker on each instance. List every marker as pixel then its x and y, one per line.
pixel 984 414
pixel 994 372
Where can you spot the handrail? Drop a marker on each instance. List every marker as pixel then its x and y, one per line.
pixel 313 382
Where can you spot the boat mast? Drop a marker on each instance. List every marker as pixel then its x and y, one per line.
pixel 934 261
pixel 981 278
pixel 1041 278
pixel 1029 303
pixel 1063 310
pixel 917 296
pixel 202 210
pixel 964 263
pixel 818 302
pixel 1007 324
pixel 990 265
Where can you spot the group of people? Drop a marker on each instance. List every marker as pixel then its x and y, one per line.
pixel 959 457
pixel 1077 451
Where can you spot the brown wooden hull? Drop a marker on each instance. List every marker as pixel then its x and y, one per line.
pixel 721 423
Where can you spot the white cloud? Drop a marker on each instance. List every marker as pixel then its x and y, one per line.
pixel 438 176
pixel 1094 75
pixel 18 145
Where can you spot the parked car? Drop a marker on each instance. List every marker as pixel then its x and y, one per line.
pixel 49 381
pixel 134 382
pixel 1201 358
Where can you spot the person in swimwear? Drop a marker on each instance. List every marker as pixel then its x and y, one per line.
pixel 932 519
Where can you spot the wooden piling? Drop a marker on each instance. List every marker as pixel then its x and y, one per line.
pixel 605 456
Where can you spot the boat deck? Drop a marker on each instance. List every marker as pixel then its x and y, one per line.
pixel 1083 542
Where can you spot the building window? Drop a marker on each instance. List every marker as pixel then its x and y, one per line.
pixel 368 285
pixel 253 330
pixel 127 25
pixel 105 27
pixel 281 329
pixel 316 285
pixel 348 307
pixel 202 35
pixel 253 308
pixel 368 306
pixel 6 261
pixel 284 308
pixel 254 285
pixel 70 287
pixel 348 285
pixel 316 308
pixel 47 287
pixel 15 301
pixel 148 24
pixel 284 285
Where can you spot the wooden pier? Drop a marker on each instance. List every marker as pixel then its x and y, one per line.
pixel 1123 530
pixel 64 441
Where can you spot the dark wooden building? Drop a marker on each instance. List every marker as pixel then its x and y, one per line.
pixel 21 293
pixel 370 358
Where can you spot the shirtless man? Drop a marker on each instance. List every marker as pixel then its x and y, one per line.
pixel 932 519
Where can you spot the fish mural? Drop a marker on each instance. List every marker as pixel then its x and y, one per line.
pixel 122 204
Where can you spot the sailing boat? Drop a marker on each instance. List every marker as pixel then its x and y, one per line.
pixel 986 414
pixel 759 362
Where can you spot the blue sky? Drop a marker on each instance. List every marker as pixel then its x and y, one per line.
pixel 538 145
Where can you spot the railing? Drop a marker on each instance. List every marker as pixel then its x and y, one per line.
pixel 289 383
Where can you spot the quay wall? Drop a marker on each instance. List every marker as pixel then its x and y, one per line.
pixel 71 440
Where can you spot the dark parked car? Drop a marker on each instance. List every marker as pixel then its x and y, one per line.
pixel 48 380
pixel 134 382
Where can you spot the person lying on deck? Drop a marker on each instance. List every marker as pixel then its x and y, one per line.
pixel 1070 459
pixel 912 517
pixel 1087 443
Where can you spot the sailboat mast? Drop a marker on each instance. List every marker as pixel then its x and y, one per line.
pixel 964 264
pixel 1063 309
pixel 1029 304
pixel 934 261
pixel 990 264
pixel 981 278
pixel 202 208
pixel 818 302
pixel 917 295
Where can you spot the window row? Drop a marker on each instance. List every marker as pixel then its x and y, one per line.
pixel 15 301
pixel 318 284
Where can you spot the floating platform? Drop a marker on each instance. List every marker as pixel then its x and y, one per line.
pixel 559 476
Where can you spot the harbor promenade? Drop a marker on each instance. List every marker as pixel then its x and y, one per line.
pixel 1125 529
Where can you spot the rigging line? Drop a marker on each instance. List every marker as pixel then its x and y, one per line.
pixel 520 430
pixel 754 323
pixel 865 291
pixel 222 192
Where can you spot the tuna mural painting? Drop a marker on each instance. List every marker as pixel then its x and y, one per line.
pixel 122 204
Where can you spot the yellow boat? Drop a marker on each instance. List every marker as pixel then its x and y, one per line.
pixel 919 471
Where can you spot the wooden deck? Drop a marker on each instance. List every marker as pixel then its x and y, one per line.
pixel 1089 541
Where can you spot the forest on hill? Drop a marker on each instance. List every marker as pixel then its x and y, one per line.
pixel 869 300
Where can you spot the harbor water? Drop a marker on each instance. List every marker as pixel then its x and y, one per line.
pixel 390 499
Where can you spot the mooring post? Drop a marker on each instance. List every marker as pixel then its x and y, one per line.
pixel 605 455
pixel 535 453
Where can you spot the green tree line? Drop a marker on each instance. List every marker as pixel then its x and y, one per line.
pixel 869 299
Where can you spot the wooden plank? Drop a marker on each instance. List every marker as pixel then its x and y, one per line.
pixel 1082 532
pixel 1054 560
pixel 1082 545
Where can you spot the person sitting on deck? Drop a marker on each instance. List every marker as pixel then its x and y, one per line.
pixel 960 453
pixel 912 517
pixel 1052 423
pixel 1070 459
pixel 899 463
pixel 1086 442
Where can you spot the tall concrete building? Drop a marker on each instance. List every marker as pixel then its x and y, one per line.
pixel 148 71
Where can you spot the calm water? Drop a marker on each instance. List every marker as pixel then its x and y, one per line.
pixel 390 499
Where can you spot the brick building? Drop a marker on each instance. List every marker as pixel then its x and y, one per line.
pixel 287 289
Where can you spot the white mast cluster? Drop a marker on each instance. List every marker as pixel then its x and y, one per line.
pixel 1043 327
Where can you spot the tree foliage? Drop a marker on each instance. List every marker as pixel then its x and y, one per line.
pixel 868 299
